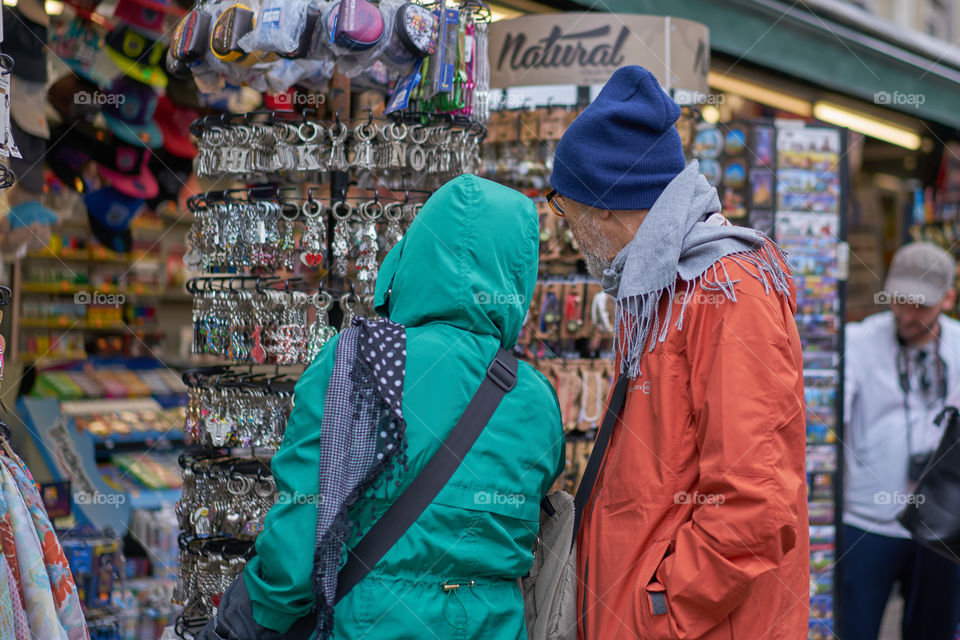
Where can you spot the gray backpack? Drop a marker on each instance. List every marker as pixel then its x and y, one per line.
pixel 550 589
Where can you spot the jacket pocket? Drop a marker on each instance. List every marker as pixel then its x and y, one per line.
pixel 651 599
pixel 651 560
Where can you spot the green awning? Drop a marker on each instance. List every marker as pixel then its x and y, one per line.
pixel 793 41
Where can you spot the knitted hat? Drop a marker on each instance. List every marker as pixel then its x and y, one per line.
pixel 623 150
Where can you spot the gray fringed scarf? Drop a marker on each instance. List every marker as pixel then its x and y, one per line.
pixel 676 243
pixel 361 438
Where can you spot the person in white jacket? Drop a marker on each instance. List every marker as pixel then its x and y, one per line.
pixel 902 367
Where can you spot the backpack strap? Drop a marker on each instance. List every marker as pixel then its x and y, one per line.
pixel 501 378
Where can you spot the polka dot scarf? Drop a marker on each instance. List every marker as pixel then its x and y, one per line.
pixel 361 439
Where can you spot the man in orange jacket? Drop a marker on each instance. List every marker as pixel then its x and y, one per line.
pixel 697 524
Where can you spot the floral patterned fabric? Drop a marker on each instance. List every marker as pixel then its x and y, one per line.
pixel 13 619
pixel 35 559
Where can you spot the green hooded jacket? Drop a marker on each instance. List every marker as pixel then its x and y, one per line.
pixel 460 282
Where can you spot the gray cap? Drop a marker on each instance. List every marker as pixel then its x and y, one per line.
pixel 921 273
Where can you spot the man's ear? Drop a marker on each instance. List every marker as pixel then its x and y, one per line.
pixel 949 300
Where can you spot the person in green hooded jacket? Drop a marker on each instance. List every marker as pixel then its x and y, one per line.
pixel 459 283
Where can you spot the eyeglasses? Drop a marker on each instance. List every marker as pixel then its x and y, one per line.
pixel 554 205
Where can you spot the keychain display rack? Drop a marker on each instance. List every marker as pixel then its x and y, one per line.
pixel 286 264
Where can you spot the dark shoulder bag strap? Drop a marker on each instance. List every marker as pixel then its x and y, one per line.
pixel 582 499
pixel 501 377
pixel 389 528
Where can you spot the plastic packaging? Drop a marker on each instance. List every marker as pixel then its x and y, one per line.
pixel 412 31
pixel 278 28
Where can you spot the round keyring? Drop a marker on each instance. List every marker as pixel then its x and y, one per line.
pixel 323 301
pixel 371 210
pixel 393 212
pixel 312 208
pixel 338 207
pixel 312 131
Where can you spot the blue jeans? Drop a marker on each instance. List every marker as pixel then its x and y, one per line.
pixel 929 583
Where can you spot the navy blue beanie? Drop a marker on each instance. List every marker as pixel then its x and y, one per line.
pixel 623 150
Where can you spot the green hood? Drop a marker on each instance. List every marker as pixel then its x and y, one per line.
pixel 469 260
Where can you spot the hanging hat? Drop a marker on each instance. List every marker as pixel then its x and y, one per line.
pixel 79 44
pixel 25 41
pixel 83 8
pixel 128 109
pixel 28 213
pixel 146 16
pixel 65 97
pixel 125 167
pixel 69 154
pixel 29 167
pixel 137 56
pixel 27 106
pixel 174 121
pixel 34 11
pixel 110 214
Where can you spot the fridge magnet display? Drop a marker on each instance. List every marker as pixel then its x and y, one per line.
pixel 808 172
pixel 821 457
pixel 763 146
pixel 820 486
pixel 810 241
pixel 761 184
pixel 822 536
pixel 821 409
pixel 708 142
pixel 821 629
pixel 735 174
pixel 762 221
pixel 735 140
pixel 821 607
pixel 820 512
pixel 712 171
pixel 734 204
pixel 816 358
pixel 821 582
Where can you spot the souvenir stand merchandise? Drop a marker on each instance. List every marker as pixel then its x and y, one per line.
pixel 301 201
pixel 787 179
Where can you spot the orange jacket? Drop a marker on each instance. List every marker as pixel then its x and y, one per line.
pixel 698 525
